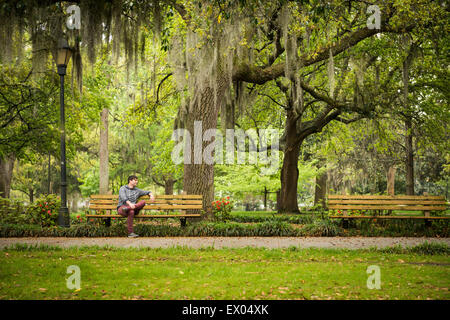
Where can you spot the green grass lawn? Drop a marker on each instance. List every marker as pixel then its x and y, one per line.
pixel 250 273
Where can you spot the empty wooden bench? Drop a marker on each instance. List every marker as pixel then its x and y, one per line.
pixel 105 207
pixel 381 207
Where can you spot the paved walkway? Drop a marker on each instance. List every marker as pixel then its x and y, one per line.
pixel 232 242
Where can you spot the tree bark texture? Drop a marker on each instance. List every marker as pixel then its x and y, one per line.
pixel 6 170
pixel 321 189
pixel 289 171
pixel 168 186
pixel 199 175
pixel 409 158
pixel 104 165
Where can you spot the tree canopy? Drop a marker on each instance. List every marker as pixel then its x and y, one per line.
pixel 351 86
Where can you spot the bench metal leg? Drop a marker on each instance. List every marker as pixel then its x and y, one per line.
pixel 183 222
pixel 108 222
pixel 345 223
pixel 427 221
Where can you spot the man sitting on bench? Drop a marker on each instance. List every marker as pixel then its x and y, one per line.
pixel 127 207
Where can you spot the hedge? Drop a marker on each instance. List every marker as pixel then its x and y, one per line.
pixel 202 229
pixel 269 228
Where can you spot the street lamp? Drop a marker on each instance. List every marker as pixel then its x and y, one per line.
pixel 62 58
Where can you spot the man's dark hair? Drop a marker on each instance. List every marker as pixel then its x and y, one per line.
pixel 132 178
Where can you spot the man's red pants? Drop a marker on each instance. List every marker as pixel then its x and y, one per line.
pixel 130 213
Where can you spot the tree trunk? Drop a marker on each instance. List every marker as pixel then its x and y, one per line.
pixel 321 189
pixel 6 170
pixel 265 198
pixel 391 180
pixel 104 168
pixel 199 175
pixel 409 159
pixel 48 174
pixel 289 171
pixel 168 186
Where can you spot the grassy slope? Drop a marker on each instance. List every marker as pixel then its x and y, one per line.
pixel 181 273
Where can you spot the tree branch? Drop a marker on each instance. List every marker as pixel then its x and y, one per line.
pixel 261 75
pixel 159 86
pixel 266 95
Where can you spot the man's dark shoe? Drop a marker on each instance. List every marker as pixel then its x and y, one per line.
pixel 133 235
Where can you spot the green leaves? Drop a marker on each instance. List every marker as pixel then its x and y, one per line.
pixel 45 210
pixel 28 117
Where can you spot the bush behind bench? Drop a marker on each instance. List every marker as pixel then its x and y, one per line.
pixel 269 228
pixel 203 229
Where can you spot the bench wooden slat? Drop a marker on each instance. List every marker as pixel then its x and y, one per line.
pixel 182 202
pixel 384 197
pixel 388 217
pixel 393 201
pixel 426 204
pixel 149 207
pixel 387 207
pixel 174 196
pixel 144 216
pixel 114 201
pixel 179 196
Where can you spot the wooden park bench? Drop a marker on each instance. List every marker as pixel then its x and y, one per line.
pixel 105 207
pixel 381 207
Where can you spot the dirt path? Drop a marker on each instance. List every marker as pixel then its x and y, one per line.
pixel 232 242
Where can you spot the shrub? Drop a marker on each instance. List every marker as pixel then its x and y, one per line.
pixel 222 209
pixel 12 211
pixel 227 229
pixel 425 248
pixel 335 212
pixel 276 228
pixel 78 218
pixel 428 248
pixel 249 217
pixel 44 211
pixel 322 228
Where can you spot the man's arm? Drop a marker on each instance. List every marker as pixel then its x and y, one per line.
pixel 144 193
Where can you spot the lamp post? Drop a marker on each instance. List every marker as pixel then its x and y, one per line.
pixel 63 54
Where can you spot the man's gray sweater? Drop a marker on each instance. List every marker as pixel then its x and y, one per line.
pixel 128 194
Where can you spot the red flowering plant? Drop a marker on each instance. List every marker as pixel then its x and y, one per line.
pixel 335 213
pixel 44 210
pixel 222 209
pixel 352 212
pixel 77 219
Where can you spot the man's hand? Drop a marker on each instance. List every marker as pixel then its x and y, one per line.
pixel 132 206
pixel 152 197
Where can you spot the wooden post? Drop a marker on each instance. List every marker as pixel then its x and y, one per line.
pixel 391 181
